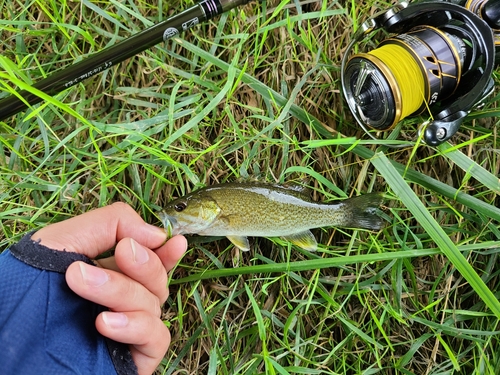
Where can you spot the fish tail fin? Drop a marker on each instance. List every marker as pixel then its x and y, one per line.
pixel 361 212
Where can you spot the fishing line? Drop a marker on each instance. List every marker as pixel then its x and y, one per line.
pixel 439 56
pixel 399 66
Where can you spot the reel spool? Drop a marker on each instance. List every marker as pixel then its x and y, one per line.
pixel 440 59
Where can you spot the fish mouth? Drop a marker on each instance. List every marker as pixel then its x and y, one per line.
pixel 169 223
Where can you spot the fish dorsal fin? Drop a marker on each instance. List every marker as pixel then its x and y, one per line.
pixel 247 179
pixel 295 186
pixel 241 242
pixel 305 240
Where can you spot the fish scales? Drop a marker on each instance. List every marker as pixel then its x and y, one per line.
pixel 269 211
pixel 239 210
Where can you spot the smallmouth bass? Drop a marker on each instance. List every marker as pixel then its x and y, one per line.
pixel 241 210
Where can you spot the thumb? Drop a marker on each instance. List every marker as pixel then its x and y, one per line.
pixel 97 231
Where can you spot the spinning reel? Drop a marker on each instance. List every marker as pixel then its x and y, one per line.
pixel 439 59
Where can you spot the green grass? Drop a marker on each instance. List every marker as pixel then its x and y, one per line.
pixel 256 93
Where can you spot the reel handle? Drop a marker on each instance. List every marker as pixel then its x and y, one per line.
pixel 491 13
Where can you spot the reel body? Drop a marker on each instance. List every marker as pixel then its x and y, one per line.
pixel 439 58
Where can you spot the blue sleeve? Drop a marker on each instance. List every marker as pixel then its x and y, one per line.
pixel 45 328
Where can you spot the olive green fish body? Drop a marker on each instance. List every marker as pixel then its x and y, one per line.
pixel 239 210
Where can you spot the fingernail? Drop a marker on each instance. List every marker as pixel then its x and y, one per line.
pixel 114 320
pixel 157 232
pixel 141 256
pixel 93 276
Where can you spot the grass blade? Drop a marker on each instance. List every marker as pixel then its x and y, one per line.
pixel 471 167
pixel 401 189
pixel 302 115
pixel 304 265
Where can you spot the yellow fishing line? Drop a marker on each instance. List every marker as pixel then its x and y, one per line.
pixel 407 74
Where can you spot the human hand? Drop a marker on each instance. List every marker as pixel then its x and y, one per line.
pixel 132 284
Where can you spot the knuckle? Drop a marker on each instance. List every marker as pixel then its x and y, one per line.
pixel 121 206
pixel 157 308
pixel 164 296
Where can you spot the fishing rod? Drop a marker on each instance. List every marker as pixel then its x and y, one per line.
pixel 100 61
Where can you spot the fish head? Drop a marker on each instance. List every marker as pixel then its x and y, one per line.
pixel 191 214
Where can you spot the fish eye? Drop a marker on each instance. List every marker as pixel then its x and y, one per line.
pixel 179 207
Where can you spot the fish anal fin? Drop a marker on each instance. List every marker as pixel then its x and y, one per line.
pixel 241 242
pixel 304 240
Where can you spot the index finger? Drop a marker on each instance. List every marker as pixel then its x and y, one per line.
pixel 99 230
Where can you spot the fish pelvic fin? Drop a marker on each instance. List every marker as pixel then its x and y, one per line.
pixel 241 242
pixel 361 212
pixel 304 240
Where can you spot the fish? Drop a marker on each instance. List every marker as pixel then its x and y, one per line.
pixel 238 210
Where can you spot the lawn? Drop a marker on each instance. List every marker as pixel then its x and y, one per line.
pixel 255 94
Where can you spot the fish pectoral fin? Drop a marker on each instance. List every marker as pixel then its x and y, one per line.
pixel 241 242
pixel 305 240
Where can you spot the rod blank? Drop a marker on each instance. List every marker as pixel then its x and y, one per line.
pixel 100 61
